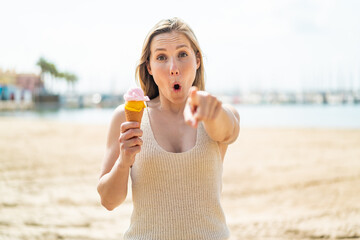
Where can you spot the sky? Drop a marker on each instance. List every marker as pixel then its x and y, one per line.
pixel 257 45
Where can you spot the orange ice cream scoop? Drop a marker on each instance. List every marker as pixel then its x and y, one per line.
pixel 135 106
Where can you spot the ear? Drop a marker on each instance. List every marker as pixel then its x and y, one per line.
pixel 198 60
pixel 148 67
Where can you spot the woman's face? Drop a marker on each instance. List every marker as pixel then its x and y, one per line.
pixel 173 64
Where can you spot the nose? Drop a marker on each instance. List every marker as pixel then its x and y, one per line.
pixel 174 70
pixel 174 73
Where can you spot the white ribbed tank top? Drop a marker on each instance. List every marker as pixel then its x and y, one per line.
pixel 176 196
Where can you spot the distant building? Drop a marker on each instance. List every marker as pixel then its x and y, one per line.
pixel 7 77
pixel 31 82
pixel 19 87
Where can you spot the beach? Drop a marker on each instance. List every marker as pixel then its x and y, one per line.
pixel 278 183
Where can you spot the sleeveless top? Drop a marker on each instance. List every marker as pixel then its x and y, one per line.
pixel 176 196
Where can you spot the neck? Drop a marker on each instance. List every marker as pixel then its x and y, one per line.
pixel 164 105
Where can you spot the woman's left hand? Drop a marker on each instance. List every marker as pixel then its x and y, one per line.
pixel 201 106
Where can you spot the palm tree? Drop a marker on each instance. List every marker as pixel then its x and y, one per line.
pixel 50 68
pixel 70 78
pixel 47 68
pixel 42 63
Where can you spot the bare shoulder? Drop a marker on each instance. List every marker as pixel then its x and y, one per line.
pixel 118 118
pixel 233 110
pixel 119 113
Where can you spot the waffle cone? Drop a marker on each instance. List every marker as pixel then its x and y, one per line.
pixel 132 116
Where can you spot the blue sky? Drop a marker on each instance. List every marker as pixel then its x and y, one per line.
pixel 248 45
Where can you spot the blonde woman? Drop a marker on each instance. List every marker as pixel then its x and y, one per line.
pixel 175 159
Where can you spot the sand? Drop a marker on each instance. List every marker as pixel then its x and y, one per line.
pixel 277 183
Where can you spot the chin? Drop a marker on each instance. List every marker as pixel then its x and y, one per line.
pixel 178 99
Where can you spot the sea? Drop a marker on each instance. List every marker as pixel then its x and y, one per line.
pixel 281 116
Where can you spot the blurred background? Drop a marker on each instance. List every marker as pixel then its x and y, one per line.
pixel 294 58
pixel 290 67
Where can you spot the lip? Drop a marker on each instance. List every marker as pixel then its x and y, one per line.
pixel 176 87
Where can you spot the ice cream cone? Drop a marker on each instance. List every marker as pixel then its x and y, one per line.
pixel 132 116
pixel 134 105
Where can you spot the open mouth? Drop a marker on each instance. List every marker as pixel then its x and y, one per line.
pixel 177 87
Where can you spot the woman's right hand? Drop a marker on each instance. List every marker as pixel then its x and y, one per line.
pixel 130 143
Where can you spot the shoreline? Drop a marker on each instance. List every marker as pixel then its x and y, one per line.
pixel 259 116
pixel 80 123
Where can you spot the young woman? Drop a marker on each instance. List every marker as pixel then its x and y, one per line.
pixel 175 159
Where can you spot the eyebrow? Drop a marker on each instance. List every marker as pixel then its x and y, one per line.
pixel 181 46
pixel 177 47
pixel 160 49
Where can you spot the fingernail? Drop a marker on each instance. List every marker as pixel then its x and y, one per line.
pixel 194 123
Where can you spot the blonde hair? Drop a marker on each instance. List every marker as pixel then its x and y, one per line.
pixel 146 80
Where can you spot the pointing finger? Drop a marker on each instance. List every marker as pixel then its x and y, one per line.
pixel 189 116
pixel 193 96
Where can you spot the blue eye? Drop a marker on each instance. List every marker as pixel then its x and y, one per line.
pixel 183 54
pixel 161 58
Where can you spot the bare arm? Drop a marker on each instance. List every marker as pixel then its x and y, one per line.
pixel 221 122
pixel 225 127
pixel 123 142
